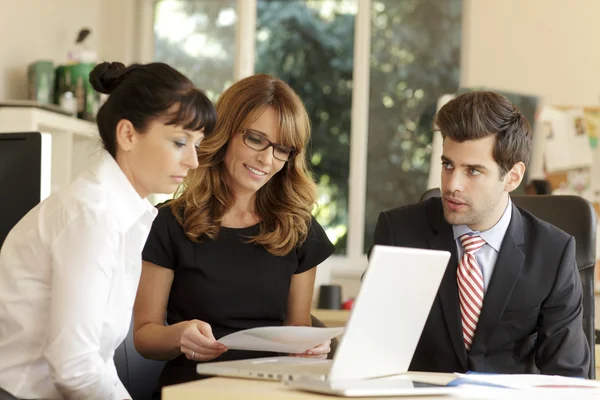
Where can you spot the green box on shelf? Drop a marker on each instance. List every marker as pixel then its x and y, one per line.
pixel 40 81
pixel 75 78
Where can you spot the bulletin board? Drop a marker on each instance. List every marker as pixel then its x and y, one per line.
pixel 578 130
pixel 571 151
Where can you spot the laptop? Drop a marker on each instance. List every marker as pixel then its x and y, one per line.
pixel 381 335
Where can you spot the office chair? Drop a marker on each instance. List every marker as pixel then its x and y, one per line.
pixel 577 217
pixel 429 193
pixel 140 375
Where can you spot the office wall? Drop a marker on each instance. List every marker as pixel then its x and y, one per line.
pixel 541 47
pixel 533 46
pixel 120 30
pixel 46 29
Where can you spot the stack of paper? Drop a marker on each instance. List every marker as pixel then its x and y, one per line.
pixel 280 339
pixel 524 386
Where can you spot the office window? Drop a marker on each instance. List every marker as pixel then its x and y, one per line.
pixel 198 38
pixel 415 55
pixel 414 58
pixel 309 44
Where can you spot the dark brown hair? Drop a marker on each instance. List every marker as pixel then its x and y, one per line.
pixel 142 93
pixel 285 202
pixel 476 115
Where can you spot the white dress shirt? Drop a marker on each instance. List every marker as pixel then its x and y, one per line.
pixel 488 255
pixel 69 272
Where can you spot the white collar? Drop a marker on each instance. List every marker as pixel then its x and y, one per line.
pixel 128 205
pixel 493 236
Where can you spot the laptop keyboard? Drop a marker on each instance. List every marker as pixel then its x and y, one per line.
pixel 293 366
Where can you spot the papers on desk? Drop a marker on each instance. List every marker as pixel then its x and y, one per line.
pixel 280 339
pixel 523 381
pixel 524 386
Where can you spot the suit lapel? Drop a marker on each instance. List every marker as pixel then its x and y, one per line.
pixel 443 239
pixel 505 275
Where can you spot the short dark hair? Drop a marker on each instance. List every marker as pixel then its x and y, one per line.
pixel 142 93
pixel 476 115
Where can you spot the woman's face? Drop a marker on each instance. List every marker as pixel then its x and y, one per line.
pixel 161 157
pixel 247 169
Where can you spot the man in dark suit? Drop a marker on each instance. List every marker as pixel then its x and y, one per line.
pixel 511 299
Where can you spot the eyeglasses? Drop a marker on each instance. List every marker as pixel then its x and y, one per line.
pixel 256 141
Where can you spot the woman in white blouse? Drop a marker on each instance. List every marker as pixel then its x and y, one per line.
pixel 69 269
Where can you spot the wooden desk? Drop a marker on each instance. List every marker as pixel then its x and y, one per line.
pixel 229 388
pixel 248 389
pixel 334 318
pixel 331 318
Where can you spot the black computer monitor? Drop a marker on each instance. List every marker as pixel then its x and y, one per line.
pixel 23 181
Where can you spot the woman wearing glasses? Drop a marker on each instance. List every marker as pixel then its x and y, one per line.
pixel 238 248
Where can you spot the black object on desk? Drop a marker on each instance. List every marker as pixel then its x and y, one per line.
pixel 330 297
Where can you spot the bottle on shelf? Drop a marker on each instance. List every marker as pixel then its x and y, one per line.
pixel 67 97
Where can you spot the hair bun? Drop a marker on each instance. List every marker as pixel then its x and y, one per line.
pixel 105 77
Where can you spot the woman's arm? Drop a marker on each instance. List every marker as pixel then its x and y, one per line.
pixel 84 257
pixel 300 298
pixel 299 306
pixel 152 338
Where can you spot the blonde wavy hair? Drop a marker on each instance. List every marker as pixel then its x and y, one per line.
pixel 285 202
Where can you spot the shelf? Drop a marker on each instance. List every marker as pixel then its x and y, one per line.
pixel 19 119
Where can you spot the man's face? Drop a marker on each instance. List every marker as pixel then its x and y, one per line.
pixel 473 191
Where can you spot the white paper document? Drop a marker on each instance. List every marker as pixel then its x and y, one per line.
pixel 524 386
pixel 281 339
pixel 525 381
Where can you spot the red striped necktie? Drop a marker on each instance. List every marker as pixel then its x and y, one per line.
pixel 470 287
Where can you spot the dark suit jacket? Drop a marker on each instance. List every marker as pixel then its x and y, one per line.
pixel 531 320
